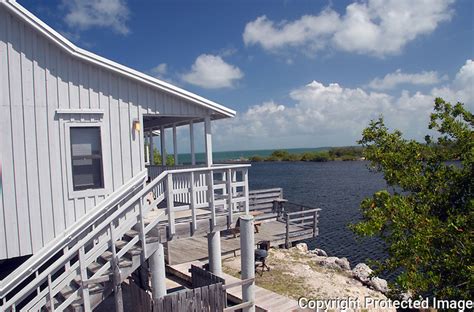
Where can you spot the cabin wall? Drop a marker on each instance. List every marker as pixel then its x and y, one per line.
pixel 37 77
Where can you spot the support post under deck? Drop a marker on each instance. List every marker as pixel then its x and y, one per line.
pixel 247 259
pixel 214 250
pixel 158 276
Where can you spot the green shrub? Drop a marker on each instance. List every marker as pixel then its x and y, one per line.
pixel 427 219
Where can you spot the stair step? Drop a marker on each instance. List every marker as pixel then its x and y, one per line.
pixel 133 251
pixel 106 256
pixel 93 288
pixel 66 292
pixel 75 305
pixel 132 233
pixel 94 266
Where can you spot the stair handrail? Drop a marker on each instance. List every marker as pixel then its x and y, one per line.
pixel 38 259
pixel 40 277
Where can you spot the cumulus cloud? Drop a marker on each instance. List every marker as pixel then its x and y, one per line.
pixel 160 70
pixel 212 72
pixel 371 27
pixel 308 29
pixel 86 14
pixel 393 80
pixel 333 114
pixel 462 87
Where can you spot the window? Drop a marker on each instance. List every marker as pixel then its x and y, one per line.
pixel 86 154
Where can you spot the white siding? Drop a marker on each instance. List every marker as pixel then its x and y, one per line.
pixel 36 78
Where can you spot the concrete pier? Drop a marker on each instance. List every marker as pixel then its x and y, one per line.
pixel 247 259
pixel 158 273
pixel 214 250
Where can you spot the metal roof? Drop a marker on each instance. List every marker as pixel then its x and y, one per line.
pixel 100 61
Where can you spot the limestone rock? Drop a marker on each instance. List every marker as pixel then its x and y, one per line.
pixel 302 247
pixel 362 272
pixel 378 284
pixel 335 263
pixel 343 263
pixel 318 252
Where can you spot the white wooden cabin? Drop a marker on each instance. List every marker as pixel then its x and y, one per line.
pixel 73 127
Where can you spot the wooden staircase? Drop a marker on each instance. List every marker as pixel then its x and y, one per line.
pixel 78 270
pixel 101 290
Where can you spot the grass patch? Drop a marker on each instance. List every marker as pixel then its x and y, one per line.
pixel 277 280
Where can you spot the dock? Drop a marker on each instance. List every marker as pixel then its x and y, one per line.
pixel 265 300
pixel 195 247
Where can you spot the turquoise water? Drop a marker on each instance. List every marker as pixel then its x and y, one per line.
pixel 242 155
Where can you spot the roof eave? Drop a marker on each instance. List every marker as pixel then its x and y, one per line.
pixel 85 55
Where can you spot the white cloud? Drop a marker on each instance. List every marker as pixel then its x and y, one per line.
pixel 160 70
pixel 372 27
pixel 332 114
pixel 308 29
pixel 85 14
pixel 392 80
pixel 465 76
pixel 212 72
pixel 462 87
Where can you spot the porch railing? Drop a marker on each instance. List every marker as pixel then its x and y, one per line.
pixel 300 219
pixel 37 284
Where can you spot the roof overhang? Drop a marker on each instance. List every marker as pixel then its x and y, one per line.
pixel 84 55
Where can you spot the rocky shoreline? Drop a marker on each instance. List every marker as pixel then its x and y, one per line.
pixel 298 272
pixel 362 272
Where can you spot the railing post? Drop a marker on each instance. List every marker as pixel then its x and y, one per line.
pixel 84 286
pixel 315 223
pixel 247 260
pixel 210 198
pixel 193 204
pixel 68 264
pixel 142 229
pixel 246 190
pixel 287 234
pixel 229 198
pixel 170 204
pixel 114 266
pixel 50 291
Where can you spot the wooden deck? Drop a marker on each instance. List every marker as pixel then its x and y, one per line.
pixel 195 248
pixel 265 300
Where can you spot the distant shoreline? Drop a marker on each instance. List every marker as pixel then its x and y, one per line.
pixel 349 153
pixel 291 154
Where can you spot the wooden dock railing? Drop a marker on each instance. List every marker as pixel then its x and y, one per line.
pixel 264 201
pixel 300 220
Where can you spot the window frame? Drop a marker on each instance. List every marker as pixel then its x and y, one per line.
pixel 88 192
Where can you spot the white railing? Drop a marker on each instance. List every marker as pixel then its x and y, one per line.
pixel 37 283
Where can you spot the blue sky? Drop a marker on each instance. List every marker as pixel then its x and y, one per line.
pixel 299 73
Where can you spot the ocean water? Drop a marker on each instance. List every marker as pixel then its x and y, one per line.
pixel 337 188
